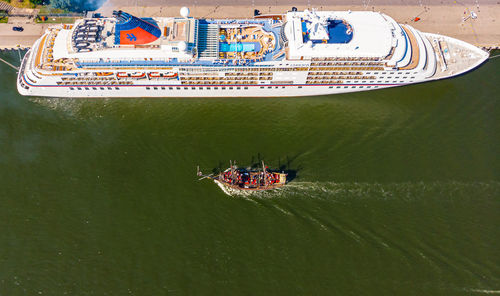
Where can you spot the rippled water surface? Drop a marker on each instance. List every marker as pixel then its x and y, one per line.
pixel 397 192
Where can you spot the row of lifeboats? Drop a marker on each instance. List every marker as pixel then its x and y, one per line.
pixel 138 75
pixel 150 75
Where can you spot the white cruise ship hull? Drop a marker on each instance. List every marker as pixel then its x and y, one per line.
pixel 426 57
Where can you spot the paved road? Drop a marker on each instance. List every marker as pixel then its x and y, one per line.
pixel 10 38
pixel 294 2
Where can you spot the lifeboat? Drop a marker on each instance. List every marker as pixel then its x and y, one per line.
pixel 169 75
pixel 154 75
pixel 136 75
pixel 104 73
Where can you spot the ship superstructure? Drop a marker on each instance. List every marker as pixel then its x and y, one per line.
pixel 295 54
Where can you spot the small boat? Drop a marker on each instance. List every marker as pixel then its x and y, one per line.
pixel 103 73
pixel 245 179
pixel 162 75
pixel 136 75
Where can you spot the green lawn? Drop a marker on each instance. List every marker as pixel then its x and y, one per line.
pixel 57 20
pixel 4 20
pixel 48 9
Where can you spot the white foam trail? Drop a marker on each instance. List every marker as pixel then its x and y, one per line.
pixel 483 291
pixel 243 193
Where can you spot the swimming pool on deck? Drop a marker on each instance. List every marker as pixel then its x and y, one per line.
pixel 239 47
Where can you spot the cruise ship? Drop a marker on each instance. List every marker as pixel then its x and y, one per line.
pixel 298 53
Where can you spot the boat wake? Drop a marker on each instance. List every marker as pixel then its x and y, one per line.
pixel 72 107
pixel 408 191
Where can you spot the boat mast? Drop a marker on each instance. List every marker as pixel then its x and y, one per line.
pixel 265 175
pixel 232 172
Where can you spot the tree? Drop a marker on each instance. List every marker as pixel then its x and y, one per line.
pixel 37 2
pixel 77 5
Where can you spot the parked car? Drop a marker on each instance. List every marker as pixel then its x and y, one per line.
pixel 19 29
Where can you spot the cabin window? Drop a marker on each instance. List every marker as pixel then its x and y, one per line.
pixel 231 87
pixel 338 86
pixel 147 87
pixel 178 88
pixel 170 88
pixel 117 88
pixel 87 88
pixel 330 87
pixel 246 87
pixel 163 88
pixel 263 87
pixel 71 88
pixel 94 88
pixel 300 86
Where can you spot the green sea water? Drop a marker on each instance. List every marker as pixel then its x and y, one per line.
pixel 397 192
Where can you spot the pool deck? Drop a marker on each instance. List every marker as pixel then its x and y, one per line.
pixel 248 33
